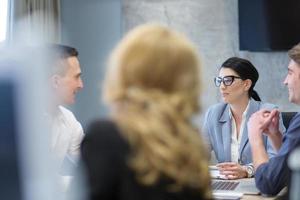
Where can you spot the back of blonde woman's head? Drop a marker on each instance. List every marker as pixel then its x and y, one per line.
pixel 153 87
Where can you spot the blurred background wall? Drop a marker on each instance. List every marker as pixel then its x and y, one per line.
pixel 95 26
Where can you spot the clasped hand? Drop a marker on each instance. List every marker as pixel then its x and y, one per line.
pixel 264 121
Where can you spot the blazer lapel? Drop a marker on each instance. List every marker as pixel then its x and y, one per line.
pixel 226 133
pixel 253 107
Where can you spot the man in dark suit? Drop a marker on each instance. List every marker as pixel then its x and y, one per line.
pixel 273 174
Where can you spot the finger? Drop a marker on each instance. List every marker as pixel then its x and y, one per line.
pixel 274 116
pixel 229 168
pixel 268 119
pixel 231 177
pixel 226 164
pixel 233 168
pixel 274 113
pixel 266 114
pixel 227 173
pixel 275 119
pixel 263 111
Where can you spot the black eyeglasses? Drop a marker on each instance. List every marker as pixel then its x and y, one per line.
pixel 227 80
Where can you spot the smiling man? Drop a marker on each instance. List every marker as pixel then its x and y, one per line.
pixel 65 82
pixel 273 174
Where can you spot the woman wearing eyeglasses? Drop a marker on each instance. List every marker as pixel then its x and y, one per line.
pixel 225 125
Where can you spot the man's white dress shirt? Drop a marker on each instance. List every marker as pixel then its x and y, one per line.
pixel 66 136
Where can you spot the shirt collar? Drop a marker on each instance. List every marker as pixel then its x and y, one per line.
pixel 244 113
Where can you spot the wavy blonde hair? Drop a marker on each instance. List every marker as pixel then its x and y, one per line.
pixel 153 88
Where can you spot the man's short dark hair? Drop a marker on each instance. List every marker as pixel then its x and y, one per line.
pixel 57 53
pixel 294 53
pixel 63 51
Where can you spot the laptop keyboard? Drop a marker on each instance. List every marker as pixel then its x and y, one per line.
pixel 224 185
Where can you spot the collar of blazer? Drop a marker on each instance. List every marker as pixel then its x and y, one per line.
pixel 253 107
pixel 226 127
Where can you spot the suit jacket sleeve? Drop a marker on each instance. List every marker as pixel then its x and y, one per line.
pixel 273 176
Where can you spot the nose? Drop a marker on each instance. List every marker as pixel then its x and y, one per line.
pixel 285 82
pixel 80 83
pixel 222 86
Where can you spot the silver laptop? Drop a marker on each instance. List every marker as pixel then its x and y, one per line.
pixel 231 189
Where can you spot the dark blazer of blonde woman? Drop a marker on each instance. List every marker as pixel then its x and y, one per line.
pixel 105 156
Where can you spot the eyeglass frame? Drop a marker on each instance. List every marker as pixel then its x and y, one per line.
pixel 223 81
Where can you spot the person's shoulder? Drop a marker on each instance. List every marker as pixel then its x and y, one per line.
pixel 217 107
pixel 66 112
pixel 105 132
pixel 102 125
pixel 214 113
pixel 266 105
pixel 102 128
pixel 103 138
pixel 295 121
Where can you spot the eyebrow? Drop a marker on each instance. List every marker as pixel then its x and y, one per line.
pixel 227 76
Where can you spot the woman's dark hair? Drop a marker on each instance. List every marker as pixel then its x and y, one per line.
pixel 246 70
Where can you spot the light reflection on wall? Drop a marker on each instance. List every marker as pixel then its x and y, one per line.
pixel 3 19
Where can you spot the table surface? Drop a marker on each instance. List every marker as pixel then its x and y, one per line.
pixel 256 197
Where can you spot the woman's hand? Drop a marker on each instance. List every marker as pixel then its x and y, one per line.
pixel 232 170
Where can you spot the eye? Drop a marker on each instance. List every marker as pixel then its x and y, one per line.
pixel 228 80
pixel 217 81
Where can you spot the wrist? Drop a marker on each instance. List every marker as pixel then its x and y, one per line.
pixel 257 143
pixel 249 169
pixel 275 136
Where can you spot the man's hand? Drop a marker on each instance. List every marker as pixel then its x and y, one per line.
pixel 260 122
pixel 265 122
pixel 273 127
pixel 272 131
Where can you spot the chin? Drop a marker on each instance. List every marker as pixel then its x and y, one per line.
pixel 295 101
pixel 225 100
pixel 69 102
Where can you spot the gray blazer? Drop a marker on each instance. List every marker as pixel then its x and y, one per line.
pixel 217 132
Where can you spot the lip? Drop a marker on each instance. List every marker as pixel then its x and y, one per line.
pixel 224 94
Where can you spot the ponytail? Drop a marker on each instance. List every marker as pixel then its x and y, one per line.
pixel 255 95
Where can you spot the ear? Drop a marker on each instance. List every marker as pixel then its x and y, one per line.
pixel 247 84
pixel 55 80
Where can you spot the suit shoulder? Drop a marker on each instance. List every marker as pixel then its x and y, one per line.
pixel 214 113
pixel 295 122
pixel 216 108
pixel 267 105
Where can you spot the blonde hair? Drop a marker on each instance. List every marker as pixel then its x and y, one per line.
pixel 153 87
